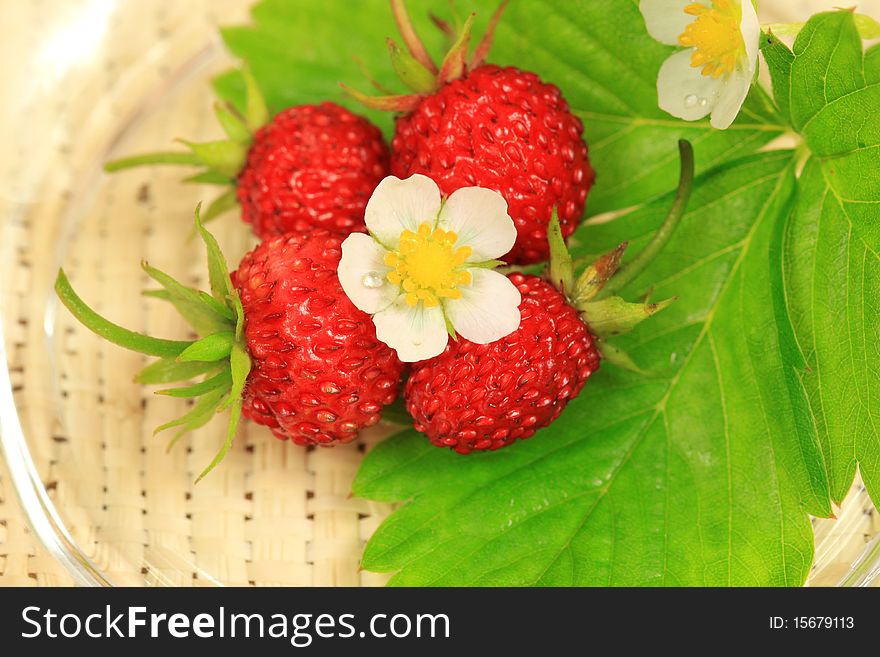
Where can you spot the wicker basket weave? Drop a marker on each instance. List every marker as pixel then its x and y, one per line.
pixel 271 514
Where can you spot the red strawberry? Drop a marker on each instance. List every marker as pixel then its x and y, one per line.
pixel 472 124
pixel 484 397
pixel 318 373
pixel 310 166
pixel 280 342
pixel 504 129
pixel 476 397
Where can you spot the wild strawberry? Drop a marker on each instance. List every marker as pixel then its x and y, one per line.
pixel 473 124
pixel 279 342
pixel 475 397
pixel 318 373
pixel 484 397
pixel 311 166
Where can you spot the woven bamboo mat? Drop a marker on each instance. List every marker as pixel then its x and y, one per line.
pixel 105 77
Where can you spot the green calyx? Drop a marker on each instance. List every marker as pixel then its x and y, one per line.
pixel 219 355
pixel 415 67
pixel 593 292
pixel 221 161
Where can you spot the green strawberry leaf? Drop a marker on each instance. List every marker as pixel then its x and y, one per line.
pixel 779 59
pixel 598 53
pixel 701 474
pixel 832 247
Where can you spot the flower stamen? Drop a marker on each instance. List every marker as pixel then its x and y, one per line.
pixel 426 265
pixel 715 36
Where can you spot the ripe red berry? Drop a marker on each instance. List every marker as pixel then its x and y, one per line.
pixel 311 166
pixel 318 373
pixel 479 397
pixel 504 129
pixel 279 341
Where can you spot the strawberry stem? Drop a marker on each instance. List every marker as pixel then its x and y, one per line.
pixel 165 157
pixel 410 38
pixel 630 271
pixel 111 332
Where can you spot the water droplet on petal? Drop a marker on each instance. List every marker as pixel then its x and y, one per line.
pixel 690 100
pixel 703 102
pixel 373 280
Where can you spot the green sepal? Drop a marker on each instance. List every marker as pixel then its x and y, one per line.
pixel 222 380
pixel 614 316
pixel 402 103
pixel 211 348
pixel 256 112
pixel 224 156
pixel 218 272
pixel 453 66
pixel 223 203
pixel 561 268
pixel 220 308
pixel 231 430
pixel 202 316
pixel 450 329
pixel 485 44
pixel 410 38
pixel 413 74
pixel 486 264
pixel 594 277
pixel 619 358
pixel 233 125
pixel 198 416
pixel 170 370
pixel 111 332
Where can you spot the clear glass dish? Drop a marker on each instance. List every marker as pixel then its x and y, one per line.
pixel 84 81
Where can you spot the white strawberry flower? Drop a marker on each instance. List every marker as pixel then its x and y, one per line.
pixel 715 71
pixel 425 271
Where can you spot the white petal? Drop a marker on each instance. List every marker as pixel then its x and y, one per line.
pixel 751 32
pixel 665 19
pixel 733 95
pixel 415 333
pixel 401 204
pixel 488 309
pixel 479 217
pixel 737 85
pixel 361 267
pixel 683 91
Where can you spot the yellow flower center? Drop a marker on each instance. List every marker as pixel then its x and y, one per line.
pixel 714 35
pixel 427 265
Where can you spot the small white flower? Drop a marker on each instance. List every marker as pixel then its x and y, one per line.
pixel 715 72
pixel 425 269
